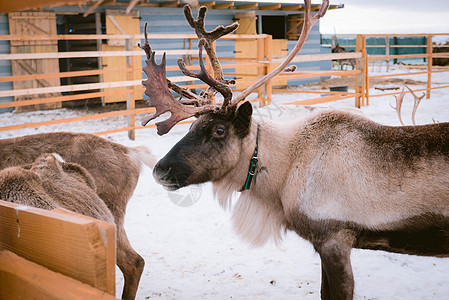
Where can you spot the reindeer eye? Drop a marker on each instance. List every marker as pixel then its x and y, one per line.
pixel 218 132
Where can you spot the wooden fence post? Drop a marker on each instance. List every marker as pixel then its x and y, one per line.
pixel 360 78
pixel 130 96
pixel 261 92
pixel 429 65
pixel 100 59
pixel 268 56
pixel 387 50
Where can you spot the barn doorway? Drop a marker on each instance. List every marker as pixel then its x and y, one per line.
pixel 78 24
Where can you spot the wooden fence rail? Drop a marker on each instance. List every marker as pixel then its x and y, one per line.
pixel 263 63
pixel 55 254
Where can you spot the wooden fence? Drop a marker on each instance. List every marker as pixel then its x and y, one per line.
pixel 261 63
pixel 372 60
pixel 55 255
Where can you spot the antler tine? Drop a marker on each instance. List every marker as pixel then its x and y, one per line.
pixel 205 77
pixel 209 37
pixel 181 91
pixel 146 46
pixel 416 103
pixel 307 27
pixel 399 100
pixel 161 98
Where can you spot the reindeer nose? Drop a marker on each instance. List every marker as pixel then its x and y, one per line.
pixel 171 174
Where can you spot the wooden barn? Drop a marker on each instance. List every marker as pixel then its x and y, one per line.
pixel 280 19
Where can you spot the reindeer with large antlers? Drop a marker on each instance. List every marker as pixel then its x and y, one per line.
pixel 337 179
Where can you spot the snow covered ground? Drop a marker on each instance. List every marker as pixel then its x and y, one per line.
pixel 192 253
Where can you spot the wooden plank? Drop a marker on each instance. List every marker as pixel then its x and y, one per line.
pixel 62 98
pixel 293 7
pixel 372 57
pixel 271 7
pixel 34 23
pixel 248 6
pixel 79 119
pixel 429 66
pixel 246 49
pixel 208 4
pixel 71 245
pixel 82 54
pixel 311 92
pixel 23 279
pixel 226 5
pixel 418 90
pixel 62 74
pixel 321 99
pixel 70 88
pixel 116 36
pixel 316 57
pixel 279 48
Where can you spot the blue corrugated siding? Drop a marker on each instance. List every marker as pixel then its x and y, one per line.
pixel 5 65
pixel 311 46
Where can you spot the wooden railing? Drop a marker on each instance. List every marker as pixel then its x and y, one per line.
pixel 55 254
pixel 263 62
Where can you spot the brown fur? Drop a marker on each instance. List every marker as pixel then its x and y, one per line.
pixel 47 184
pixel 337 179
pixel 115 170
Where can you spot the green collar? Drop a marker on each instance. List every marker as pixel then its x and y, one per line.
pixel 252 165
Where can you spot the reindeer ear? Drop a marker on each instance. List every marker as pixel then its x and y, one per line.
pixel 243 118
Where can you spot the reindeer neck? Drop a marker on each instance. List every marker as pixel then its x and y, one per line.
pixel 272 150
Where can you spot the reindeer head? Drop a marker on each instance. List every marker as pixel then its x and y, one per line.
pixel 216 140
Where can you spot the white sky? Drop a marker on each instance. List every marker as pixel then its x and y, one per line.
pixel 387 16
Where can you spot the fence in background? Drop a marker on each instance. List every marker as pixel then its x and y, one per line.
pixel 245 69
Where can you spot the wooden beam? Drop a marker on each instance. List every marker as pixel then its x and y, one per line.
pixel 316 57
pixel 170 4
pixel 110 114
pixel 73 245
pixel 292 7
pixel 93 7
pixel 81 54
pixel 248 6
pixel 131 5
pixel 226 5
pixel 271 7
pixel 23 279
pixel 208 4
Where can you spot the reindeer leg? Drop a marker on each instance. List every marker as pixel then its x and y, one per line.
pixel 130 263
pixel 337 277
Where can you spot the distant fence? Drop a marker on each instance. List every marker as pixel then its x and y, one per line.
pixel 245 68
pixel 428 56
pixel 55 255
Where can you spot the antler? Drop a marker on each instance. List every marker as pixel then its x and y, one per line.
pixel 206 40
pixel 399 100
pixel 157 86
pixel 416 103
pixel 307 26
pixel 160 96
pixel 205 77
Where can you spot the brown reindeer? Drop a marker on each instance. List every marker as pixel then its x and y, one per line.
pixel 51 183
pixel 335 178
pixel 115 169
pixel 343 62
